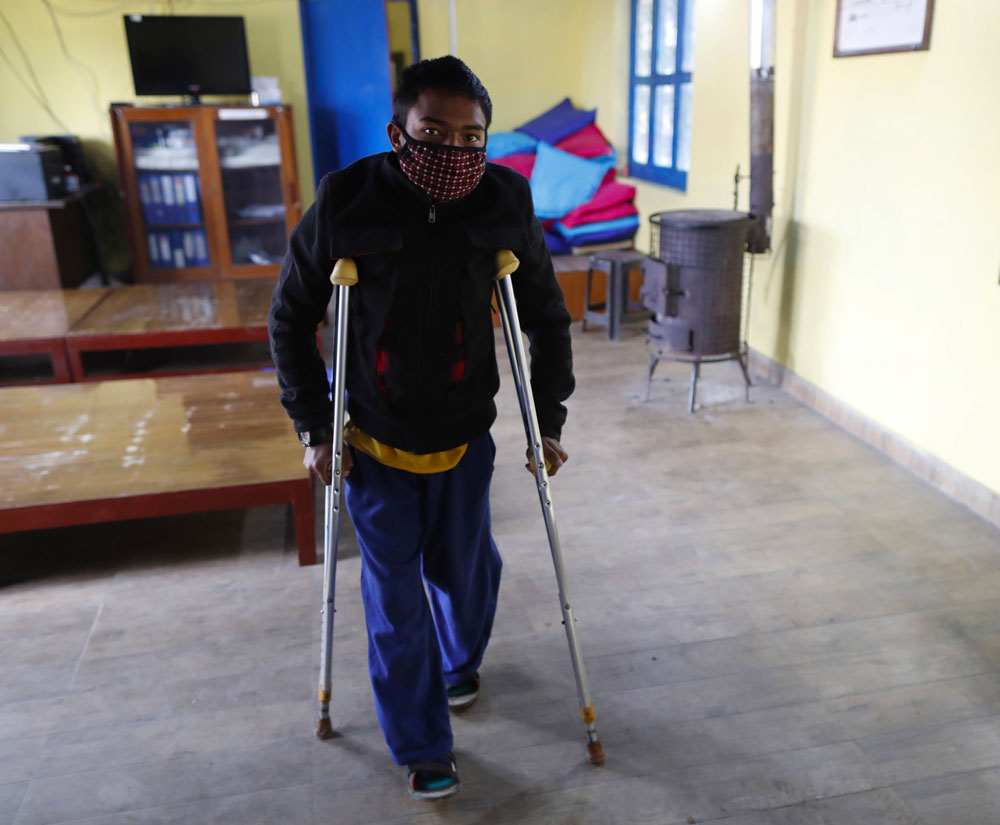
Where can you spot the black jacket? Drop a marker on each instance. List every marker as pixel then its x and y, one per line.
pixel 421 363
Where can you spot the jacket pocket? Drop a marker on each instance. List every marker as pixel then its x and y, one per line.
pixel 360 241
pixel 491 239
pixel 474 371
pixel 480 265
pixel 376 250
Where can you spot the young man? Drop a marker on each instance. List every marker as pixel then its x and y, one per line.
pixel 423 223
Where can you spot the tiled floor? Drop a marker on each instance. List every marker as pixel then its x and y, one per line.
pixel 781 628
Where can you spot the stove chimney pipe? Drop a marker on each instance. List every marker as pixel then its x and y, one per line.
pixel 761 122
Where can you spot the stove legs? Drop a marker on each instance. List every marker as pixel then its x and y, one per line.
pixel 695 371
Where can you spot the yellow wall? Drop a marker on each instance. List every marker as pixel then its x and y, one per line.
pixel 79 94
pixel 400 36
pixel 522 50
pixel 886 293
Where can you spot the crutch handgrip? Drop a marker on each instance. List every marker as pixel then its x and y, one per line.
pixel 345 273
pixel 533 466
pixel 507 263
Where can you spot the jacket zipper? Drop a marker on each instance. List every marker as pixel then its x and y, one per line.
pixel 425 310
pixel 432 214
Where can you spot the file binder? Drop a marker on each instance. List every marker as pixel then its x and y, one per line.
pixel 182 209
pixel 177 249
pixel 145 198
pixel 166 256
pixel 191 193
pixel 154 249
pixel 201 248
pixel 169 202
pixel 155 200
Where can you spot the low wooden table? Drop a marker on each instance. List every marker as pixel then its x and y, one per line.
pixel 37 321
pixel 87 453
pixel 190 314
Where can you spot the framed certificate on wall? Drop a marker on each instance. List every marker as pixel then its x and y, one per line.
pixel 879 26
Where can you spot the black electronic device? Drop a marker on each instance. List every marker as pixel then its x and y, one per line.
pixel 181 55
pixel 71 150
pixel 31 172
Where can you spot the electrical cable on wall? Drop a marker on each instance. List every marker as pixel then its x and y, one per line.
pixel 93 86
pixel 171 5
pixel 40 101
pixel 24 55
pixel 69 13
pixel 38 92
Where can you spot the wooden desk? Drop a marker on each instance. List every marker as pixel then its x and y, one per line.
pixel 37 321
pixel 148 316
pixel 87 453
pixel 47 244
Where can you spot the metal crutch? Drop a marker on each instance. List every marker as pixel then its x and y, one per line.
pixel 344 275
pixel 507 263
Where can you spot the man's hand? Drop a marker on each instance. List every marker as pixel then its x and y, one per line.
pixel 318 460
pixel 555 456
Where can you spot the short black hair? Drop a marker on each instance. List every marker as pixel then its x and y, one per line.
pixel 446 73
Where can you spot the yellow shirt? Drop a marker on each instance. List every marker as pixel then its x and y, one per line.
pixel 401 459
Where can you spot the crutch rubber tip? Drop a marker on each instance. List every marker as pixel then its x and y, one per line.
pixel 324 730
pixel 596 753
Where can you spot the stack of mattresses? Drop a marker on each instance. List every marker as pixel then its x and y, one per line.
pixel 571 167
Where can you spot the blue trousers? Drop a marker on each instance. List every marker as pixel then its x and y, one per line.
pixel 416 529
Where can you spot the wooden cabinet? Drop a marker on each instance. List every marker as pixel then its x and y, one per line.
pixel 209 191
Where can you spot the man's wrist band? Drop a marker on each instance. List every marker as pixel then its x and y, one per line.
pixel 311 438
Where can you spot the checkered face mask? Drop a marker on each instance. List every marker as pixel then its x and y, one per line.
pixel 445 173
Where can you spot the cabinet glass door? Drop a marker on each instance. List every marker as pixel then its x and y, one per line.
pixel 168 178
pixel 250 163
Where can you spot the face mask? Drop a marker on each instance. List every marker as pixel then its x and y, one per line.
pixel 445 173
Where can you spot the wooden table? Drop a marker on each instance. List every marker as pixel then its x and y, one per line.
pixel 190 314
pixel 37 321
pixel 93 452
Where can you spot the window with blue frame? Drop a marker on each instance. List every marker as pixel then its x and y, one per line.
pixel 660 91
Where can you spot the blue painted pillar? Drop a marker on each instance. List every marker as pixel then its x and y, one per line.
pixel 345 44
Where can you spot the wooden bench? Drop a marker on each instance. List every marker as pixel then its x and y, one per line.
pixel 182 316
pixel 104 451
pixel 36 322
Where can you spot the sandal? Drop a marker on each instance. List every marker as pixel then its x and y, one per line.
pixel 463 694
pixel 433 780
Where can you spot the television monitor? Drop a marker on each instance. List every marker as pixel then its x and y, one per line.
pixel 178 55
